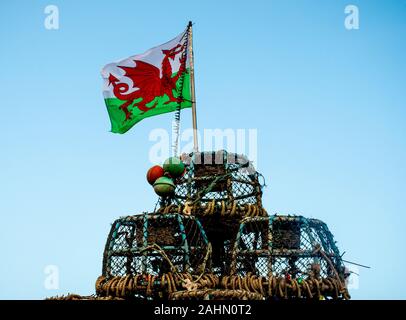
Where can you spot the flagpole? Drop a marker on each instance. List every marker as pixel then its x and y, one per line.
pixel 192 87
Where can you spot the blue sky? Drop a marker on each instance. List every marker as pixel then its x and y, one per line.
pixel 328 104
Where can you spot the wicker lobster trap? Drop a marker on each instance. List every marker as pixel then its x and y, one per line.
pixel 219 176
pixel 154 244
pixel 219 188
pixel 288 246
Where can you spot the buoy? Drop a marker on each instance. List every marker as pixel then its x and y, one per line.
pixel 154 173
pixel 174 166
pixel 164 187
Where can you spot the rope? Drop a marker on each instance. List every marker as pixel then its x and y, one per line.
pixel 150 285
pixel 157 248
pixel 203 265
pixel 174 270
pixel 283 288
pixel 232 209
pixel 179 92
pixel 208 294
pixel 74 296
pixel 261 287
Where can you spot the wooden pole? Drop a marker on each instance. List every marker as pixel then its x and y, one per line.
pixel 192 88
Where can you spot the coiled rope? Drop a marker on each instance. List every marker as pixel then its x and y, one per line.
pixel 216 207
pixel 272 287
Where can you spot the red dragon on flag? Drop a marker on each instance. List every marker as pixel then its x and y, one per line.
pixel 146 77
pixel 147 84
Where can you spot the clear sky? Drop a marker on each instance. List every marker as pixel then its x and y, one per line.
pixel 328 104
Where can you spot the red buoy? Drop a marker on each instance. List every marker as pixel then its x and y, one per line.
pixel 154 173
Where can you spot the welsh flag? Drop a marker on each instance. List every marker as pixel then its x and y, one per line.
pixel 147 84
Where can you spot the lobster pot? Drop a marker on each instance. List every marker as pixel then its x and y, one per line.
pixel 219 176
pixel 290 246
pixel 143 244
pixel 222 187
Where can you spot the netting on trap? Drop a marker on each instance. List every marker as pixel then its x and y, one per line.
pixel 287 246
pixel 154 244
pixel 219 176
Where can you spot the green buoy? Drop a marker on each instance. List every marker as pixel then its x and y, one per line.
pixel 164 187
pixel 174 166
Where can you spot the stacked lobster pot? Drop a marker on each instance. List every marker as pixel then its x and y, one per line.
pixel 220 189
pixel 211 238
